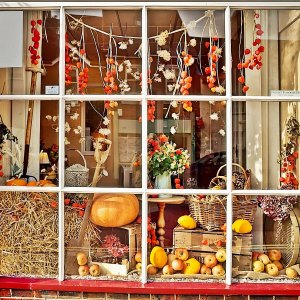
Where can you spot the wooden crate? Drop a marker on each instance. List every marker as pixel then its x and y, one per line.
pixel 192 240
pixel 239 262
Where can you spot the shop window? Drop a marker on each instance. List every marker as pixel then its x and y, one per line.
pixel 131 121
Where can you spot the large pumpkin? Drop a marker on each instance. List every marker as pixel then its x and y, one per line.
pixel 114 210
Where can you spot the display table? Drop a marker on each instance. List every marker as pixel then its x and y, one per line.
pixel 161 223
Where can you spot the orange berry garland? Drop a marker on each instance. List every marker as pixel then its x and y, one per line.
pixel 252 57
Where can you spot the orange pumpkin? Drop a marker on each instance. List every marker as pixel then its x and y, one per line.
pixel 32 183
pixel 43 182
pixel 114 210
pixel 16 182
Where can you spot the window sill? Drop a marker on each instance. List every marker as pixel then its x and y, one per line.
pixel 151 288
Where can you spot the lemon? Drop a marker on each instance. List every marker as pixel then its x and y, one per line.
pixel 187 222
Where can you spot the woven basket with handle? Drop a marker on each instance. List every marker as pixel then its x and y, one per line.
pixel 210 211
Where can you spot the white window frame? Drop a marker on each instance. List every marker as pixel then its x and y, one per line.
pixel 229 98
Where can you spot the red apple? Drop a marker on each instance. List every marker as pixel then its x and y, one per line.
pixel 274 255
pixel 278 264
pixel 167 270
pixel 205 270
pixel 83 270
pixel 182 253
pixel 210 260
pixel 177 264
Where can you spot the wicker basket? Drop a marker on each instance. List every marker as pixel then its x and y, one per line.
pixel 210 211
pixel 77 175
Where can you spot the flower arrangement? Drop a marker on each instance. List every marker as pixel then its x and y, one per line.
pixel 164 157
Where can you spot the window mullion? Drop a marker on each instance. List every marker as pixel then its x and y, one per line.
pixel 144 144
pixel 61 144
pixel 228 63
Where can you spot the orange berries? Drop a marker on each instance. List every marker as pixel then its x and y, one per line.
pixel 245 88
pixel 241 79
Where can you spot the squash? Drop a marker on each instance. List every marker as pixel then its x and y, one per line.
pixel 187 222
pixel 114 210
pixel 191 266
pixel 241 226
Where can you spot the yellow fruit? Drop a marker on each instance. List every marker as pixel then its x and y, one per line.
pixel 191 266
pixel 241 226
pixel 158 257
pixel 187 222
pixel 217 187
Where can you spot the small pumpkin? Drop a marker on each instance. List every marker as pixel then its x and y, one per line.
pixel 114 210
pixel 158 257
pixel 16 182
pixel 241 226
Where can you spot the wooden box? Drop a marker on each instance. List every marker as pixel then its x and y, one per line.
pixel 192 240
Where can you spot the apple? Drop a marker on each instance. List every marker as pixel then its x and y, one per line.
pixel 177 264
pixel 205 270
pixel 210 260
pixel 138 266
pixel 81 258
pixel 278 265
pixel 255 255
pixel 171 257
pixel 182 253
pixel 151 270
pixel 83 270
pixel 258 266
pixel 264 258
pixel 138 257
pixel 274 255
pixel 167 270
pixel 291 273
pixel 272 270
pixel 95 270
pixel 221 255
pixel 218 270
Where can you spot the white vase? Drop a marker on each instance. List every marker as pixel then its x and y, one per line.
pixel 163 181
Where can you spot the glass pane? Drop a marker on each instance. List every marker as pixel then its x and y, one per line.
pixel 265 43
pixel 186 52
pixel 103 51
pixel 272 242
pixel 29 238
pixel 265 141
pixel 103 144
pixel 186 142
pixel 192 238
pixel 110 247
pixel 29 143
pixel 35 70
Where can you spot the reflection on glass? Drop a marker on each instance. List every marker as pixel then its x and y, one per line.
pixel 264 43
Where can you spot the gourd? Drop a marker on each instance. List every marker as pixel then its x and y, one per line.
pixel 187 222
pixel 241 226
pixel 114 210
pixel 16 182
pixel 158 257
pixel 191 266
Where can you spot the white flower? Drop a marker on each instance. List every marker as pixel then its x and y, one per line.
pixel 48 117
pixel 127 62
pixel 173 130
pixel 67 127
pixel 120 68
pixel 128 70
pixel 212 102
pixel 67 141
pixel 164 54
pixel 160 67
pixel 106 121
pixel 104 172
pixel 220 89
pixel 104 131
pixel 130 41
pixel 193 42
pixel 170 87
pixel 75 116
pixel 76 131
pixel 162 38
pixel 224 68
pixel 55 118
pixel 214 116
pixel 136 75
pixel 222 132
pixel 174 103
pixel 169 74
pixel 157 79
pixel 81 140
pixel 175 116
pixel 123 45
pixel 191 25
